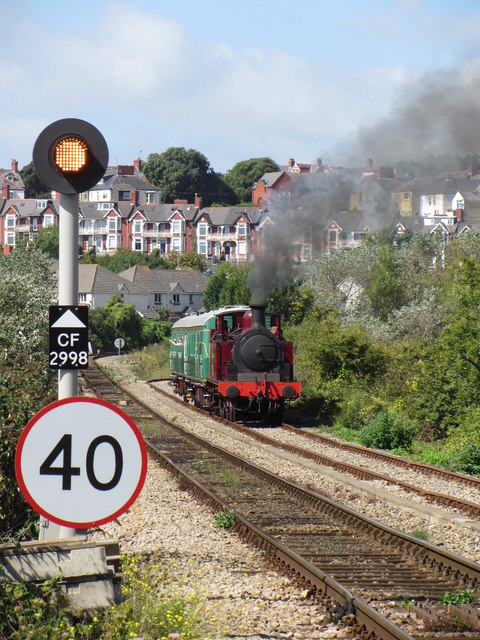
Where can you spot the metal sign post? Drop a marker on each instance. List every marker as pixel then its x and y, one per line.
pixel 68 278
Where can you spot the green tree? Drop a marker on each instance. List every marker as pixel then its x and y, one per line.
pixel 385 290
pixel 123 259
pixel 27 289
pixel 242 176
pixel 47 241
pixel 294 301
pixel 227 286
pixel 182 173
pixel 33 187
pixel 122 321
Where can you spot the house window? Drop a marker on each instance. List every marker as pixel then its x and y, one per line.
pixel 34 224
pixel 41 204
pixel 176 245
pixel 202 229
pixel 242 229
pixel 177 226
pixel 124 195
pixel 112 241
pixel 190 299
pixel 138 245
pixel 149 197
pixel 332 235
pixel 47 221
pixel 82 297
pixel 176 298
pixel 10 222
pixel 101 225
pixel 406 196
pixel 137 226
pixel 357 236
pixel 11 239
pixel 112 224
pixel 242 247
pixel 202 248
pixel 157 299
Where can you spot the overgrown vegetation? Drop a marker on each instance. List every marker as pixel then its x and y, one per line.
pixel 120 320
pixel 157 602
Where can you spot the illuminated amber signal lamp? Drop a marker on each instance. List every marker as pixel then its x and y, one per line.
pixel 71 154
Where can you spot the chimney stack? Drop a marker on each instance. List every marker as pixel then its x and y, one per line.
pixel 14 166
pixel 5 191
pixel 137 163
pixel 125 170
pixel 291 163
pixel 134 197
pixel 198 201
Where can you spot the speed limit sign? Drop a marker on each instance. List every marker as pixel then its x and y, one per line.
pixel 81 462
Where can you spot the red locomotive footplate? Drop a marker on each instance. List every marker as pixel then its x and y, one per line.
pixel 270 390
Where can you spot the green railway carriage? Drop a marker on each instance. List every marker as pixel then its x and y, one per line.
pixel 190 343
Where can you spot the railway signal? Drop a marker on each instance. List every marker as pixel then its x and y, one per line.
pixel 70 156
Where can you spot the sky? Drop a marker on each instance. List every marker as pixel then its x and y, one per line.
pixel 237 79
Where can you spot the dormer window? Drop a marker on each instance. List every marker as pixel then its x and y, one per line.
pixel 41 204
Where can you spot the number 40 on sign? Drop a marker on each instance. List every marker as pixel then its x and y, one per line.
pixel 81 462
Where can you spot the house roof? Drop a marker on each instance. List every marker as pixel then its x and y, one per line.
pixel 436 185
pixel 28 208
pixel 92 278
pixel 166 280
pixel 229 215
pixel 163 212
pixel 114 180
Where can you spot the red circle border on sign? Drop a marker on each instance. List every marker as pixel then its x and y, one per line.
pixel 49 516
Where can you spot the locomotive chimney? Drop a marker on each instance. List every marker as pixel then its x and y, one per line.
pixel 258 315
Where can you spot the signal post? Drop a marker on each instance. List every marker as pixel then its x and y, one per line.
pixel 70 156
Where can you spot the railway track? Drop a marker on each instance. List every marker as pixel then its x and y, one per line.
pixel 358 470
pixel 342 558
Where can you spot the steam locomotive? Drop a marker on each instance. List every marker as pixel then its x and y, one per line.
pixel 235 362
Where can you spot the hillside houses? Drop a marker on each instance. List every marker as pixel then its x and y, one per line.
pixel 342 206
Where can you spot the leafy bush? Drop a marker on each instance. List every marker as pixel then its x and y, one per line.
pixel 467 459
pixel 28 611
pixel 24 390
pixel 225 519
pixel 458 597
pixel 435 457
pixel 388 431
